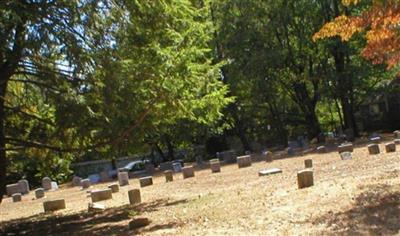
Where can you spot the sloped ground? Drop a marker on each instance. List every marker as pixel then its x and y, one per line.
pixel 355 197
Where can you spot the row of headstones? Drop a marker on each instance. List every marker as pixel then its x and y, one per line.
pixel 22 187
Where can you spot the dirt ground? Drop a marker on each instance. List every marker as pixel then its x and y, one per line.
pixel 354 197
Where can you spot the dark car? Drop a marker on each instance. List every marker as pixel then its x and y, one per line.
pixel 135 168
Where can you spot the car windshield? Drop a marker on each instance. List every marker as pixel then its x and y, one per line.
pixel 136 165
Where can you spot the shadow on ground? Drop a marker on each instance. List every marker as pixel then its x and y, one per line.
pixel 375 212
pixel 113 221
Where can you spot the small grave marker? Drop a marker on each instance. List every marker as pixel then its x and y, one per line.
pixel 244 161
pixel 146 181
pixel 16 197
pixel 346 156
pixel 373 149
pixel 188 172
pixel 305 178
pixel 39 193
pixel 101 195
pixel 308 163
pixel 215 166
pixel 269 172
pixel 123 178
pixel 390 147
pixel 169 175
pixel 54 205
pixel 134 196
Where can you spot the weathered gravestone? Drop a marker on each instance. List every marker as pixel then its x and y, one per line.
pixel 134 196
pixel 54 185
pixel 305 178
pixel 244 161
pixel 373 149
pixel 188 172
pixel 146 181
pixel 268 156
pixel 346 156
pixel 39 193
pixel 321 149
pixel 46 183
pixel 390 147
pixel 101 195
pixel 54 205
pixel 269 172
pixel 24 186
pixel 114 188
pixel 16 197
pixel 345 147
pixel 397 141
pixel 169 176
pixel 123 178
pixel 215 166
pixel 76 181
pixel 13 188
pixel 85 183
pixel 308 163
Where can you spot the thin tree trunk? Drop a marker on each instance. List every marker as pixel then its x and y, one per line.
pixel 3 159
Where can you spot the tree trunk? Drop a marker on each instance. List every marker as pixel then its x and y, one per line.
pixel 3 159
pixel 170 148
pixel 159 150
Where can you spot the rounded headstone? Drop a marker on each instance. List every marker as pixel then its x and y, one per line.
pixel 268 156
pixel 16 197
pixel 39 193
pixel 46 183
pixel 24 186
pixel 85 183
pixel 134 196
pixel 397 141
pixel 123 178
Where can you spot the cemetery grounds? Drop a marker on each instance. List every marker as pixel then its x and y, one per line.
pixel 353 197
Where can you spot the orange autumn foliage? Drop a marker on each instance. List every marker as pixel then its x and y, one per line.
pixel 381 22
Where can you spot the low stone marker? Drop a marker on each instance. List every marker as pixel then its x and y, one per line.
pixel 308 163
pixel 390 147
pixel 114 188
pixel 188 172
pixel 373 149
pixel 169 175
pixel 96 207
pixel 46 183
pixel 123 178
pixel 39 193
pixel 85 183
pixel 321 149
pixel 345 147
pixel 13 188
pixel 215 166
pixel 134 196
pixel 146 181
pixel 101 195
pixel 397 141
pixel 76 181
pixel 346 156
pixel 54 205
pixel 269 172
pixel 268 156
pixel 24 186
pixel 16 197
pixel 244 161
pixel 305 178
